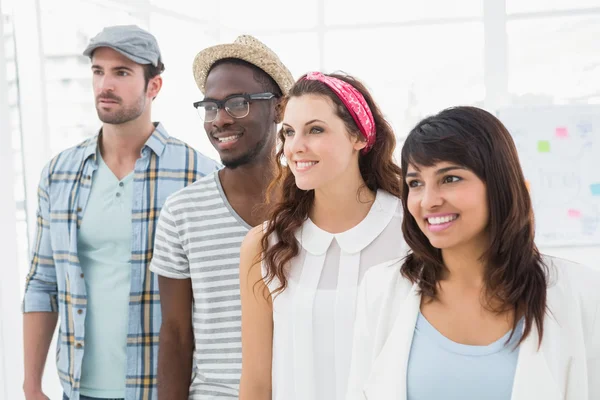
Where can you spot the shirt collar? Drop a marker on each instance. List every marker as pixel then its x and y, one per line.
pixel 316 241
pixel 91 146
pixel 156 142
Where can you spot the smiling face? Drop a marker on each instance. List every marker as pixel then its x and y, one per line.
pixel 449 204
pixel 240 141
pixel 317 146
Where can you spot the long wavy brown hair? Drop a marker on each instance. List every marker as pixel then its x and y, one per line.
pixel 515 274
pixel 288 213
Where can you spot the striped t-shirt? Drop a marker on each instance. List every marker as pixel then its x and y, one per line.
pixel 199 237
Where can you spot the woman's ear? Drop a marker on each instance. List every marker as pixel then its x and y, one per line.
pixel 359 143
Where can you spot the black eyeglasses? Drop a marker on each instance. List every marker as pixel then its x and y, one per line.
pixel 237 105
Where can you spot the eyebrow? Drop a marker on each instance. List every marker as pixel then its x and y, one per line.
pixel 118 68
pixel 224 98
pixel 308 123
pixel 440 171
pixel 121 68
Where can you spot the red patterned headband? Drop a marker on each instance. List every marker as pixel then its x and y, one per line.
pixel 354 102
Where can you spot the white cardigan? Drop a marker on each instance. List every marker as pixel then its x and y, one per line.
pixel 566 367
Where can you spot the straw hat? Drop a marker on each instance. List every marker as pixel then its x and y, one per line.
pixel 246 48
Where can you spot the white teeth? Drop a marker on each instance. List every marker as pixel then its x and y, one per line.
pixel 442 220
pixel 304 165
pixel 228 138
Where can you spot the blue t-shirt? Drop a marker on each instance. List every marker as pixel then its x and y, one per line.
pixel 104 251
pixel 439 368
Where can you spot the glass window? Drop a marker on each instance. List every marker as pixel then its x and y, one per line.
pixel 521 6
pixel 268 15
pixel 173 106
pixel 413 71
pixel 14 124
pixel 200 10
pixel 554 60
pixel 349 12
pixel 264 15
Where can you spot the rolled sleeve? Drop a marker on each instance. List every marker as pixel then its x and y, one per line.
pixel 40 287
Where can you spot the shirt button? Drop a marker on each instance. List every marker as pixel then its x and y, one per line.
pixel 80 311
pixel 78 345
pixel 118 194
pixel 81 275
pixel 121 184
pixel 78 209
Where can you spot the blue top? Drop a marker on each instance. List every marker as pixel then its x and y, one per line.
pixel 104 250
pixel 439 368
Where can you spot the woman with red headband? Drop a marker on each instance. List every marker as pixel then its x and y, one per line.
pixel 337 214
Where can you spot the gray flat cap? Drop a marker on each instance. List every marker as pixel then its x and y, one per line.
pixel 132 41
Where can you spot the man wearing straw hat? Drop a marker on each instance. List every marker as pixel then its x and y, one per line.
pixel 201 228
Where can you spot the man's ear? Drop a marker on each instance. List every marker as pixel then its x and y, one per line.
pixel 154 86
pixel 278 112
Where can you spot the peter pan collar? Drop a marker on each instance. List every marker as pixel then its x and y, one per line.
pixel 316 240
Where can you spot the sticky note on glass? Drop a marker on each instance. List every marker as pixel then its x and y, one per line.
pixel 595 188
pixel 562 132
pixel 584 127
pixel 574 213
pixel 544 146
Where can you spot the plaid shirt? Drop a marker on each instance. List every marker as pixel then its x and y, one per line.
pixel 55 281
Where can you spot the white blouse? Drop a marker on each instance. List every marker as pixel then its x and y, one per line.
pixel 565 366
pixel 314 317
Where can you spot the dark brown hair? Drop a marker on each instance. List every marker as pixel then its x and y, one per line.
pixel 287 215
pixel 515 273
pixel 150 71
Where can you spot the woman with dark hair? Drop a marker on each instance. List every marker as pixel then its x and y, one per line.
pixel 338 213
pixel 474 311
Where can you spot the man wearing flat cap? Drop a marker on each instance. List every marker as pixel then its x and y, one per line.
pixel 201 227
pixel 98 208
